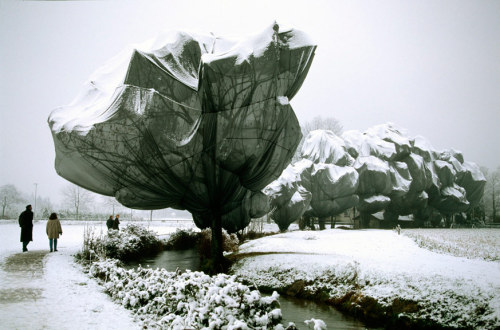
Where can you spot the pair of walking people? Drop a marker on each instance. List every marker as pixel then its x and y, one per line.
pixel 113 224
pixel 53 229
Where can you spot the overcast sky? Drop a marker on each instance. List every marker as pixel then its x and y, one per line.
pixel 432 67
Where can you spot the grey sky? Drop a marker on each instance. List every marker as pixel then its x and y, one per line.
pixel 432 67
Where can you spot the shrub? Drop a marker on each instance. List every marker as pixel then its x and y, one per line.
pixel 93 249
pixel 190 300
pixel 133 242
pixel 250 235
pixel 182 240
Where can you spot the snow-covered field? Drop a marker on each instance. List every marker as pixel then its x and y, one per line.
pixel 473 244
pixel 356 266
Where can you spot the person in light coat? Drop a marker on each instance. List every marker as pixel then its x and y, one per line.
pixel 53 231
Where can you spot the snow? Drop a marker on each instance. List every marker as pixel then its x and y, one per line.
pixel 372 163
pixel 400 183
pixel 423 147
pixel 317 324
pixel 475 171
pixel 98 91
pixel 353 140
pixel 67 297
pixel 297 198
pixel 323 146
pixel 58 292
pixel 389 132
pixel 382 265
pixel 254 45
pixel 45 288
pixel 379 263
pixel 283 100
pixel 377 199
pixel 189 300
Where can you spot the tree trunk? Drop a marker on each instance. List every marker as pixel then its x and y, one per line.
pixel 310 221
pixel 494 215
pixel 217 262
pixel 333 221
pixel 302 223
pixel 321 222
pixel 364 220
pixel 4 204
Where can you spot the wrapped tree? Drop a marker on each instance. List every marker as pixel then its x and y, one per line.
pixel 187 121
pixel 320 185
pixel 288 198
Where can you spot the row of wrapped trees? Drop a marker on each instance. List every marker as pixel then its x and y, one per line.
pixel 380 169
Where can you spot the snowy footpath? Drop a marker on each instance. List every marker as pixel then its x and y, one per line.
pixel 376 273
pixel 42 290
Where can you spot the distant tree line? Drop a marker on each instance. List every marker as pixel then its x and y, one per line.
pixel 77 204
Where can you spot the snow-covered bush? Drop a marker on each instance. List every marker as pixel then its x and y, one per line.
pixel 132 242
pixel 92 248
pixel 170 300
pixel 182 240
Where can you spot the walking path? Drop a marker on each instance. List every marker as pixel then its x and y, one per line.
pixel 42 290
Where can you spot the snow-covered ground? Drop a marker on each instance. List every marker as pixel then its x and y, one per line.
pixel 390 268
pixel 42 290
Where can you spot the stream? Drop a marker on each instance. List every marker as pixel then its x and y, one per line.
pixel 293 309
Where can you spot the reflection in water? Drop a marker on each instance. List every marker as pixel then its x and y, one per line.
pixel 171 260
pixel 298 310
pixel 293 309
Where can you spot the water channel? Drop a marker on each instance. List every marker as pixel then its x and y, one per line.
pixel 293 309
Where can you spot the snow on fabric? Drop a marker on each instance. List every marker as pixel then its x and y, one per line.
pixel 188 121
pixel 323 146
pixel 289 200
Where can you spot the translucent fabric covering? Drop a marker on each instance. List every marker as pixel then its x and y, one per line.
pixel 187 121
pixel 289 200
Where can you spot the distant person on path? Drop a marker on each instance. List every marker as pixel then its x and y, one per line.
pixel 26 224
pixel 53 231
pixel 398 229
pixel 109 222
pixel 116 223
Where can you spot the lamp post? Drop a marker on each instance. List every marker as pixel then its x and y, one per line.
pixel 34 210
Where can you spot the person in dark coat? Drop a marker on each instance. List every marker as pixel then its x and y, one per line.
pixel 26 224
pixel 109 222
pixel 116 223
